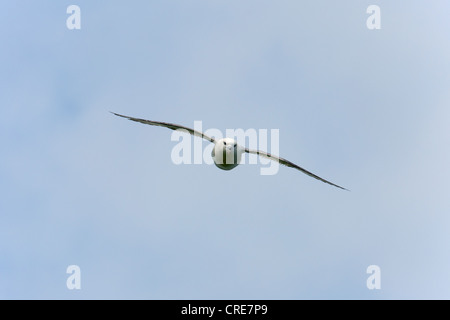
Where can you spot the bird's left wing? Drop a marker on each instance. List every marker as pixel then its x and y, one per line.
pixel 169 125
pixel 290 164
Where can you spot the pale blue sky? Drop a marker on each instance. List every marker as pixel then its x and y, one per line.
pixel 367 109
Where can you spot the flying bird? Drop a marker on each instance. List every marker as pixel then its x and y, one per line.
pixel 227 152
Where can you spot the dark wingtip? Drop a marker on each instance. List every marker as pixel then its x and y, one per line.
pixel 119 115
pixel 335 185
pixel 342 188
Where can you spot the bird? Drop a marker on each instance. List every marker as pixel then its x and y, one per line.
pixel 227 152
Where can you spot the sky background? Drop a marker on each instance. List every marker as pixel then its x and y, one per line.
pixel 366 109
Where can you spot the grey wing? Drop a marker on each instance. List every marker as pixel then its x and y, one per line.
pixel 290 164
pixel 169 125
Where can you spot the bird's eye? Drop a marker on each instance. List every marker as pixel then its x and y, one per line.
pixel 225 143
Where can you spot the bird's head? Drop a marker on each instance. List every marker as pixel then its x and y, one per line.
pixel 228 144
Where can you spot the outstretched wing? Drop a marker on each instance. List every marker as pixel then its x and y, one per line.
pixel 290 164
pixel 169 125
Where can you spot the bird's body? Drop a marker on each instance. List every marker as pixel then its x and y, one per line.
pixel 227 153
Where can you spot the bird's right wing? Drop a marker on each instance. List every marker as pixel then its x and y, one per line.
pixel 290 164
pixel 170 126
